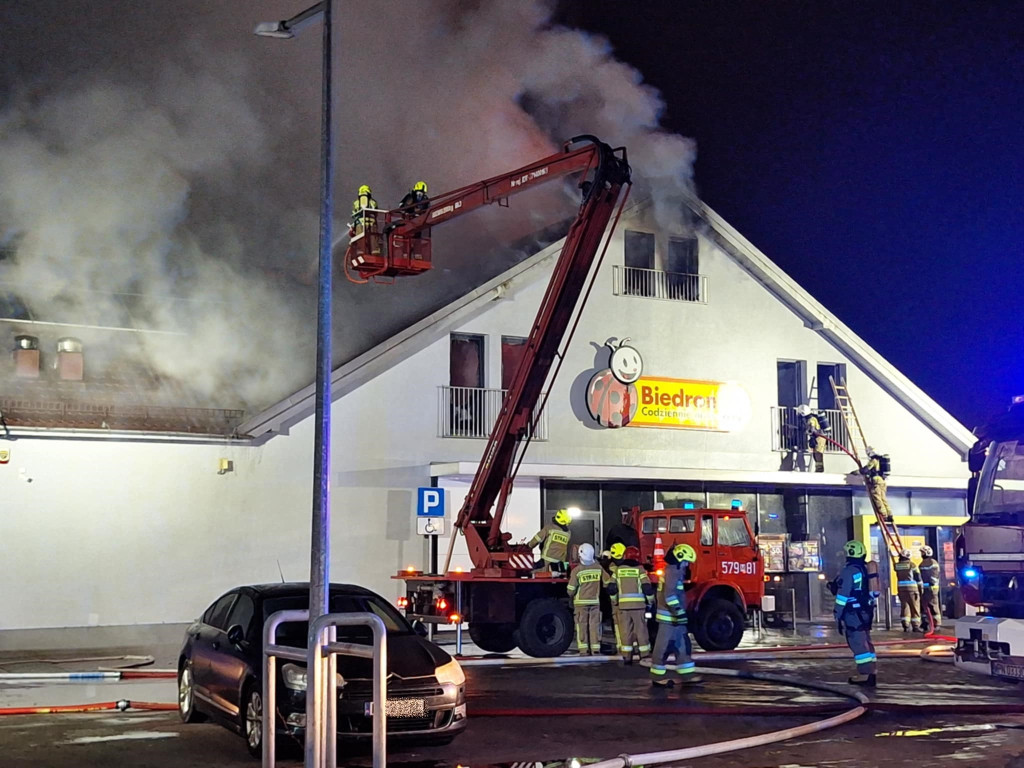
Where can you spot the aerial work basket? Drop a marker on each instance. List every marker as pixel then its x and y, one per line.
pixel 379 248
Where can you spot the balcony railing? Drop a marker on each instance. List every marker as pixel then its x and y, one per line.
pixel 790 434
pixel 472 411
pixel 657 284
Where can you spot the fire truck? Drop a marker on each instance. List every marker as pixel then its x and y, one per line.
pixel 990 551
pixel 506 602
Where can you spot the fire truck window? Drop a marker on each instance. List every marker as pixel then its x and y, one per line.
pixel 656 525
pixel 685 524
pixel 732 532
pixel 707 531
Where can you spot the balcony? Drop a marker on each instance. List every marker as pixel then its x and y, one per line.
pixel 789 433
pixel 658 284
pixel 471 412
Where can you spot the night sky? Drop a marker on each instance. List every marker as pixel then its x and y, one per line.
pixel 874 151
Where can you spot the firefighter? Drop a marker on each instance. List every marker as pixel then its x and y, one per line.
pixel 908 587
pixel 874 473
pixel 673 635
pixel 855 612
pixel 554 543
pixel 585 590
pixel 359 213
pixel 415 201
pixel 929 569
pixel 630 590
pixel 816 427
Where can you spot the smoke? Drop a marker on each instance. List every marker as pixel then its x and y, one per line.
pixel 175 179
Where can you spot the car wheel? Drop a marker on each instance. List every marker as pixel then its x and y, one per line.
pixel 493 638
pixel 546 628
pixel 252 719
pixel 186 695
pixel 720 626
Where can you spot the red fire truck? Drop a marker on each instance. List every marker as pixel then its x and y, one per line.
pixel 504 601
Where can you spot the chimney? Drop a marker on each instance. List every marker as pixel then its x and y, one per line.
pixel 70 364
pixel 26 357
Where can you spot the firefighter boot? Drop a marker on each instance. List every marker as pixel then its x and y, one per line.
pixel 865 680
pixel 692 679
pixel 661 684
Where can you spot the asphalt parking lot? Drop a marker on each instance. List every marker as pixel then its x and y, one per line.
pixel 908 737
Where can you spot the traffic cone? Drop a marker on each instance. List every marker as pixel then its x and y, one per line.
pixel 659 555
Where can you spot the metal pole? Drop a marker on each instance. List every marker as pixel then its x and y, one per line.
pixel 792 594
pixel 458 610
pixel 320 547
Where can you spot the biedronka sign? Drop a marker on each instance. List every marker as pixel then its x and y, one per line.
pixel 621 396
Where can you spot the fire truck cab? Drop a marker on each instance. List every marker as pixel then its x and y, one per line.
pixel 726 582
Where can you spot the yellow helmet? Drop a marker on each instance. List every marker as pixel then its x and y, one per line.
pixel 365 190
pixel 684 553
pixel 618 550
pixel 562 517
pixel 854 548
pixel 420 186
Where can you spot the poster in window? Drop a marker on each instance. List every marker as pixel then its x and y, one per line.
pixel 804 556
pixel 773 551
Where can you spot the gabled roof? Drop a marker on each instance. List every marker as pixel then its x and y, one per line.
pixel 380 358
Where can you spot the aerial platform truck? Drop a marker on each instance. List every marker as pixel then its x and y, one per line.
pixel 505 602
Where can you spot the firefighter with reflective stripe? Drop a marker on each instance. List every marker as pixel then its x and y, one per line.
pixel 415 201
pixel 673 635
pixel 359 213
pixel 855 612
pixel 630 591
pixel 585 590
pixel 929 568
pixel 816 426
pixel 908 587
pixel 874 472
pixel 554 543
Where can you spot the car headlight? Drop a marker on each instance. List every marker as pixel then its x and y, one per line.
pixel 294 677
pixel 450 673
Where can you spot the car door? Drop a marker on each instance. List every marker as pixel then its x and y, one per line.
pixel 230 664
pixel 205 645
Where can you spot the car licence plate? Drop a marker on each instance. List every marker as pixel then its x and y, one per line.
pixel 400 708
pixel 1012 671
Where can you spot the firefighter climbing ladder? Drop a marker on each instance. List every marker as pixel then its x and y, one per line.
pixel 858 448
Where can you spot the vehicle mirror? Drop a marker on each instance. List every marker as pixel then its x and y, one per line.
pixel 235 634
pixel 419 628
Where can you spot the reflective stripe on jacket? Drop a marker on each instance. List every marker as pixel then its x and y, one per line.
pixel 555 548
pixel 585 584
pixel 930 573
pixel 672 595
pixel 907 574
pixel 631 585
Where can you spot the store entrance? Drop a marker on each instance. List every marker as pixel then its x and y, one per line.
pixel 940 539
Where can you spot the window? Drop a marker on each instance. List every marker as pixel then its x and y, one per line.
pixel 639 263
pixel 655 525
pixel 466 396
pixel 826 397
pixel 217 614
pixel 682 279
pixel 242 614
pixel 792 378
pixel 732 532
pixel 512 349
pixel 707 530
pixel 684 524
pixel 466 362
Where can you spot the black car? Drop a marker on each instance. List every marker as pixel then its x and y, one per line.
pixel 220 669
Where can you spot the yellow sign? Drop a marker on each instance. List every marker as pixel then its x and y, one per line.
pixel 685 404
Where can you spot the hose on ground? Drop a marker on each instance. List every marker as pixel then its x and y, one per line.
pixel 122 706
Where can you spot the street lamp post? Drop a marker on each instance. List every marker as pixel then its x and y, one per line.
pixel 320 736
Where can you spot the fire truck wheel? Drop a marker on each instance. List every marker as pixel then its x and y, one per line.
pixel 546 628
pixel 493 638
pixel 719 626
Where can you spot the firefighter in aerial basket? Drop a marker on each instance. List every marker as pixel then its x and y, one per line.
pixel 362 211
pixel 855 612
pixel 585 590
pixel 554 544
pixel 673 633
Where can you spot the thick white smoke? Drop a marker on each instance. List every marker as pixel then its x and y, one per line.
pixel 185 164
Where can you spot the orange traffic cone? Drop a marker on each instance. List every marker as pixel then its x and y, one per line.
pixel 659 555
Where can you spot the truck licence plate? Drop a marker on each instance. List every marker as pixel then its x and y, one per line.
pixel 1012 671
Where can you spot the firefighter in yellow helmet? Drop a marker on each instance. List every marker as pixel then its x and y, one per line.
pixel 415 201
pixel 554 543
pixel 874 471
pixel 908 587
pixel 854 612
pixel 929 569
pixel 673 633
pixel 585 590
pixel 360 215
pixel 816 432
pixel 629 590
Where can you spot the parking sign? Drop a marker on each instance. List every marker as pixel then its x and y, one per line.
pixel 430 502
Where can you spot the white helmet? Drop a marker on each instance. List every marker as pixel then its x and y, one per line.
pixel 586 553
pixel 926 551
pixel 905 553
pixel 803 410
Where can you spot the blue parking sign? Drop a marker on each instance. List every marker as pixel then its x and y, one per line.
pixel 430 502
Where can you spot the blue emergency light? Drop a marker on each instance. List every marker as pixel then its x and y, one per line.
pixel 737 504
pixel 773 516
pixel 689 505
pixel 970 573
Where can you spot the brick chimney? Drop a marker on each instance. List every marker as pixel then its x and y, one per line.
pixel 70 363
pixel 26 357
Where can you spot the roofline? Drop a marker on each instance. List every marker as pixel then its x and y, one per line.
pixel 819 319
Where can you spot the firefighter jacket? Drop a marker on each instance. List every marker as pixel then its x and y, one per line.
pixel 361 202
pixel 671 602
pixel 585 585
pixel 929 569
pixel 907 575
pixel 628 585
pixel 554 541
pixel 854 605
pixel 813 426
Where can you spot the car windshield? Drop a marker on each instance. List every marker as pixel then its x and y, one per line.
pixel 294 633
pixel 1001 486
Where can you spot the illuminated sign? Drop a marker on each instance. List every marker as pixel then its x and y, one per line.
pixel 621 396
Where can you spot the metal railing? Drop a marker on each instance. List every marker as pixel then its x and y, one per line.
pixel 472 411
pixel 790 434
pixel 322 683
pixel 658 284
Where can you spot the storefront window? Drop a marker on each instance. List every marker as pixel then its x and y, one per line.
pixel 566 495
pixel 718 500
pixel 678 499
pixel 942 504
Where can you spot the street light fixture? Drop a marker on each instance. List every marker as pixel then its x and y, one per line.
pixel 320 735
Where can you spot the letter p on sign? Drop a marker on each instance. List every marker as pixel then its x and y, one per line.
pixel 430 502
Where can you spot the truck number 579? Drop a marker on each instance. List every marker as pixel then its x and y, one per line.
pixel 734 567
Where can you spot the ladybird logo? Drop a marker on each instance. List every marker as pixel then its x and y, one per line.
pixel 5 455
pixel 611 394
